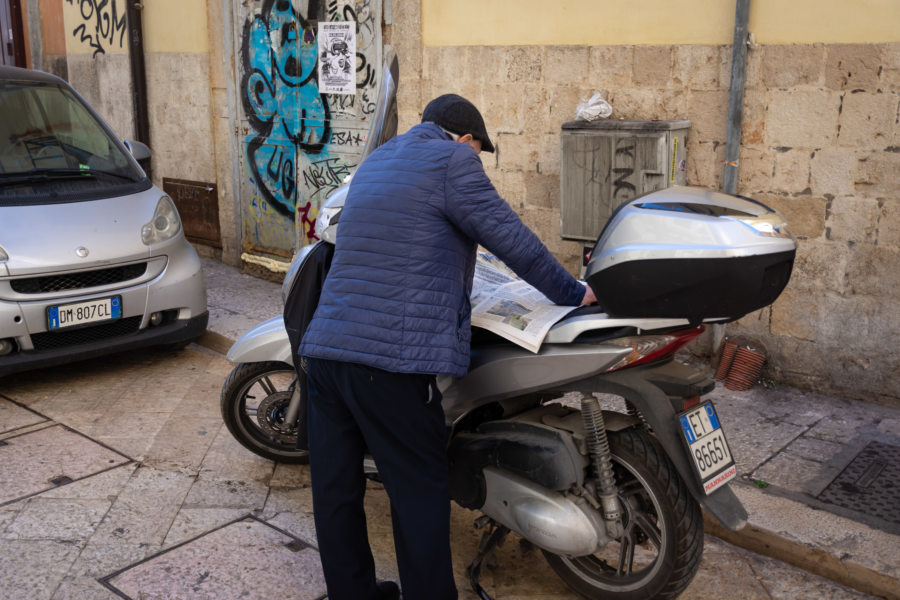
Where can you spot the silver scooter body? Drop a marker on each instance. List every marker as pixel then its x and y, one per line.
pixel 503 372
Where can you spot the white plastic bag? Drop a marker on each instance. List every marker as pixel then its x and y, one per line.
pixel 595 108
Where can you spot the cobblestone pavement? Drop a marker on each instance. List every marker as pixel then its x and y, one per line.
pixel 119 479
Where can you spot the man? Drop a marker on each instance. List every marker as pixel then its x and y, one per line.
pixel 394 313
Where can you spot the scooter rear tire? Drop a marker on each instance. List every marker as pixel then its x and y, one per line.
pixel 661 517
pixel 248 386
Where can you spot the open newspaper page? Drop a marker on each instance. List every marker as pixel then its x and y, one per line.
pixel 510 307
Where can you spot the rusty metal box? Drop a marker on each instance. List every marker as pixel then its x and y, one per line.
pixel 198 205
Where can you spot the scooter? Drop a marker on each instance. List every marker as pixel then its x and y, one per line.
pixel 599 448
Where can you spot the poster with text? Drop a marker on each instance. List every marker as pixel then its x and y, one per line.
pixel 337 57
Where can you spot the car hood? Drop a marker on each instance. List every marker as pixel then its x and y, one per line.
pixel 44 238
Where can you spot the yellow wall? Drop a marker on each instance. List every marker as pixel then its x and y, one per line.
pixel 92 31
pixel 580 22
pixel 169 26
pixel 176 26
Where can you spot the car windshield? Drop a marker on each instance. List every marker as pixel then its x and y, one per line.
pixel 51 144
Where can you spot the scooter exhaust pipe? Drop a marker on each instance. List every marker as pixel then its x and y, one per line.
pixel 548 519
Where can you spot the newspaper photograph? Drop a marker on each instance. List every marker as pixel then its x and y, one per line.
pixel 510 307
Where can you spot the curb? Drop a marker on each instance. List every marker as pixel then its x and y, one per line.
pixel 768 543
pixel 215 342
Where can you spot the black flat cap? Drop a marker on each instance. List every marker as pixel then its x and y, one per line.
pixel 458 115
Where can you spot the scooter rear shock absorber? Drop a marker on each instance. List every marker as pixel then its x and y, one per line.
pixel 598 446
pixel 633 411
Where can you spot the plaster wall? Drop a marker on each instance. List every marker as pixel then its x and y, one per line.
pixel 653 22
pixel 105 82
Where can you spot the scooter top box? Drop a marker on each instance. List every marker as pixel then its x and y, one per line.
pixel 691 253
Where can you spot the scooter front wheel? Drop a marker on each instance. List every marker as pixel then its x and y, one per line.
pixel 660 551
pixel 255 398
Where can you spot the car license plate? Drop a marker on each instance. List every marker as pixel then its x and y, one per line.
pixel 707 446
pixel 84 313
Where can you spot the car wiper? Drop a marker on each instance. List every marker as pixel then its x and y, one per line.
pixel 58 173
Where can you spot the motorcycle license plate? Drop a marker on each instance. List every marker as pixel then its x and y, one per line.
pixel 707 447
pixel 84 313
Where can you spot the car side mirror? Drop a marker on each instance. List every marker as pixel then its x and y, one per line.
pixel 141 153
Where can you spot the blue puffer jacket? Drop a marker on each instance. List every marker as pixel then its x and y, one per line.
pixel 397 295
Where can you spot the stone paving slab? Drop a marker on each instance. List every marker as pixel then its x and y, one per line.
pixel 19 577
pixel 13 416
pixel 41 460
pixel 238 302
pixel 245 559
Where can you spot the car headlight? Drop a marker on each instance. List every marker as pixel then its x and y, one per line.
pixel 165 224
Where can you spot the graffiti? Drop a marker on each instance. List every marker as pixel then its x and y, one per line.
pixel 623 169
pixel 281 99
pixel 280 169
pixel 347 104
pixel 366 68
pixel 293 157
pixel 341 102
pixel 325 175
pixel 101 24
pixel 365 21
pixel 365 27
pixel 347 138
pixel 368 105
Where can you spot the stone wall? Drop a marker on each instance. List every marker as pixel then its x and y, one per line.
pixel 821 143
pixel 180 115
pixel 105 83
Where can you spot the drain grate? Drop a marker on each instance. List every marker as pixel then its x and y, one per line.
pixel 869 483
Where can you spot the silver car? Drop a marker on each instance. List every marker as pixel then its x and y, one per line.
pixel 93 259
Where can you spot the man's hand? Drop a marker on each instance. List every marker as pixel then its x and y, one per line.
pixel 589 297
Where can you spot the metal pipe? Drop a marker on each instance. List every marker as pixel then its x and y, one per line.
pixel 133 10
pixel 736 96
pixel 735 116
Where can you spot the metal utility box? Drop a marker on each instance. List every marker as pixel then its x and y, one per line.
pixel 198 206
pixel 607 163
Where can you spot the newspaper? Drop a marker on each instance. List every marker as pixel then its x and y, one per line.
pixel 510 307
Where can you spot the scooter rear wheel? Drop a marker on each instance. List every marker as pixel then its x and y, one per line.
pixel 254 399
pixel 660 552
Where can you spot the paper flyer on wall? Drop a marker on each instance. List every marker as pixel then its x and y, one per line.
pixel 337 57
pixel 510 307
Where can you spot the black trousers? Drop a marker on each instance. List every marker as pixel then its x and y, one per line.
pixel 399 419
